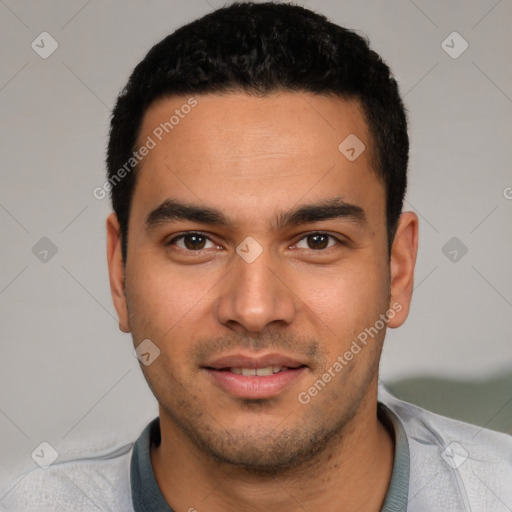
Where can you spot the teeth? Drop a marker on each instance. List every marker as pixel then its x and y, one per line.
pixel 261 372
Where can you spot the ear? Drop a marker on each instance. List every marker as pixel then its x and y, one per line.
pixel 403 260
pixel 116 271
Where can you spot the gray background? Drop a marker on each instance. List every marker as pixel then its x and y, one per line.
pixel 66 372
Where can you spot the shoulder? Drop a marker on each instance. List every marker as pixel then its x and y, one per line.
pixel 435 429
pixel 456 465
pixel 98 480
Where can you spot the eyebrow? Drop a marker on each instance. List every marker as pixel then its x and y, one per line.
pixel 336 208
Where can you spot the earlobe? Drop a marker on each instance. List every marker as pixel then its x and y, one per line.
pixel 403 261
pixel 116 271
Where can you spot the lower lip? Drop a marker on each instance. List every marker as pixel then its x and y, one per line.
pixel 254 387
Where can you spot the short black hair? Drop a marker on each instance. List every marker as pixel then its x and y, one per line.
pixel 261 48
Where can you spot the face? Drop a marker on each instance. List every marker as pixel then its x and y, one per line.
pixel 257 256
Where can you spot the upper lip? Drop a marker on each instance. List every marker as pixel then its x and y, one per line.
pixel 246 361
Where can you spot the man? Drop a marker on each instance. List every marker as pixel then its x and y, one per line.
pixel 257 253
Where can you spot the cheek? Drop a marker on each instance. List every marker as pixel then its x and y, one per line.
pixel 345 314
pixel 345 299
pixel 164 299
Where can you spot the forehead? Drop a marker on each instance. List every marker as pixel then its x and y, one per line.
pixel 266 151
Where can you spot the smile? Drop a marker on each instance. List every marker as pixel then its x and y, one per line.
pixel 260 372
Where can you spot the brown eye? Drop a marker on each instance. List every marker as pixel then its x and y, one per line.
pixel 191 242
pixel 316 241
pixel 194 242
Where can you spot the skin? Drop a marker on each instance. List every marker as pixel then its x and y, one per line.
pixel 254 158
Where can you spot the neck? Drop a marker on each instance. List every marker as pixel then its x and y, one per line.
pixel 359 460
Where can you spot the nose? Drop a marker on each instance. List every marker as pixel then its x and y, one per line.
pixel 255 295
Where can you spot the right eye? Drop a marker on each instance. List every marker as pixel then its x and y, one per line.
pixel 192 241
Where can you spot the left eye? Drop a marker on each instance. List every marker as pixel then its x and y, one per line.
pixel 192 242
pixel 316 241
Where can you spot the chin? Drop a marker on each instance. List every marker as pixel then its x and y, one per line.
pixel 266 454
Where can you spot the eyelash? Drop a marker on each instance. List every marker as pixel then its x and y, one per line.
pixel 204 235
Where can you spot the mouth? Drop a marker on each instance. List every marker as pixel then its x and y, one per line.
pixel 259 372
pixel 255 377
